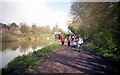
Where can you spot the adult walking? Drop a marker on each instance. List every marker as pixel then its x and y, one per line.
pixel 62 39
pixel 80 42
pixel 68 40
pixel 74 42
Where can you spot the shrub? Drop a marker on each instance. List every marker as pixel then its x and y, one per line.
pixel 105 44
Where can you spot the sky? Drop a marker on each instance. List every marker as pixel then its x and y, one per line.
pixel 36 12
pixel 39 12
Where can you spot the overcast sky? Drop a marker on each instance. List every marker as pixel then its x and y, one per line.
pixel 40 13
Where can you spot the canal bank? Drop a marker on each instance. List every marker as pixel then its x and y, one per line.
pixel 28 62
pixel 12 49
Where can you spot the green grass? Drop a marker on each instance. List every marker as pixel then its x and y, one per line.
pixel 26 63
pixel 114 59
pixel 103 52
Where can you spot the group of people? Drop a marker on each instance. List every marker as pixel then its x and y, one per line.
pixel 74 41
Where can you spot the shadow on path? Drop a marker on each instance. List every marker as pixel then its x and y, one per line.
pixel 67 60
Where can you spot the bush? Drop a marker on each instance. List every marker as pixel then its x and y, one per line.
pixel 105 45
pixel 105 53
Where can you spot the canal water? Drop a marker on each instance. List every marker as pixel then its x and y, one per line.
pixel 10 50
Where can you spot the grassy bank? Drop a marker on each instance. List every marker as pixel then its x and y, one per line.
pixel 104 53
pixel 105 44
pixel 113 59
pixel 26 63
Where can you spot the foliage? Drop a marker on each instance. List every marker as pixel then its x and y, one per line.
pixel 56 29
pixel 105 45
pixel 24 28
pixel 25 63
pixel 105 53
pixel 95 17
pixel 74 27
pixel 99 23
pixel 25 32
pixel 40 30
pixel 34 29
pixel 13 25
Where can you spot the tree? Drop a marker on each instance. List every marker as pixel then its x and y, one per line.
pixel 99 21
pixel 56 29
pixel 13 25
pixel 35 29
pixel 95 17
pixel 24 28
pixel 47 29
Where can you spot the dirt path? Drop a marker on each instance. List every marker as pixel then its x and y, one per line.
pixel 68 60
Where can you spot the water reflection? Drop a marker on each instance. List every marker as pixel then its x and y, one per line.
pixel 10 50
pixel 10 45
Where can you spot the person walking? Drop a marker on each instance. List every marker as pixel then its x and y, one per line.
pixel 74 42
pixel 69 39
pixel 62 39
pixel 79 43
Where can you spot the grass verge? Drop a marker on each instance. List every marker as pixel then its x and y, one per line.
pixel 103 52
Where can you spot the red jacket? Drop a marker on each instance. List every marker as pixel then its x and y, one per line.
pixel 62 38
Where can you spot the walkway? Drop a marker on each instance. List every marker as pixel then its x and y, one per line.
pixel 68 60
